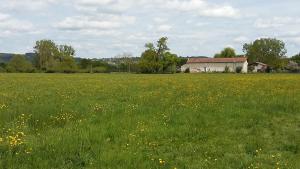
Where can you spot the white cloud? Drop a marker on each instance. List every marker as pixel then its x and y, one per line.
pixel 164 28
pixel 198 7
pixel 97 22
pixel 241 39
pixel 159 20
pixel 26 4
pixel 202 8
pixel 276 22
pixel 205 25
pixel 3 16
pixel 11 26
pixel 103 5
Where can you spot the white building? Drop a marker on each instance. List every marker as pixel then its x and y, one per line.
pixel 258 67
pixel 197 65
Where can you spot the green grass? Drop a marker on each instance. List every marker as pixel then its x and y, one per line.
pixel 120 121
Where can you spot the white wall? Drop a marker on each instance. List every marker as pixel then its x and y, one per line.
pixel 214 67
pixel 256 68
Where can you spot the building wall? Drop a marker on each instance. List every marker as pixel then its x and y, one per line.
pixel 214 67
pixel 259 67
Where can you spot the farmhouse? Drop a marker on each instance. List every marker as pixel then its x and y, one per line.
pixel 197 65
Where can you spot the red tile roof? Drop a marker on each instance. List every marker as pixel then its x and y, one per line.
pixel 217 60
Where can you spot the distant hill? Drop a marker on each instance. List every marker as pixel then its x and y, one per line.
pixel 6 57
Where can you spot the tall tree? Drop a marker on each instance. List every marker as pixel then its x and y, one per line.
pixel 46 52
pixel 226 53
pixel 65 59
pixel 65 51
pixel 149 63
pixel 54 58
pixel 267 50
pixel 159 59
pixel 150 46
pixel 162 47
pixel 18 63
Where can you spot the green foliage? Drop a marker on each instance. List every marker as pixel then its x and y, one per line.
pixel 162 48
pixel 238 69
pixel 187 70
pixel 46 52
pixel 296 58
pixel 149 62
pixel 169 62
pixel 100 69
pixel 125 121
pixel 65 51
pixel 53 58
pixel 226 53
pixel 267 50
pixel 2 70
pixel 158 60
pixel 85 63
pixel 181 61
pixel 251 68
pixel 2 67
pixel 19 64
pixel 95 66
pixel 227 69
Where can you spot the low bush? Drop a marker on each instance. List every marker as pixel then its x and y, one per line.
pixel 187 70
pixel 227 69
pixel 238 69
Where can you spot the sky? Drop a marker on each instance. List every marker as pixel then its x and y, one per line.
pixel 106 28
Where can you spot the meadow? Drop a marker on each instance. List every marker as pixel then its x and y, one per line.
pixel 128 121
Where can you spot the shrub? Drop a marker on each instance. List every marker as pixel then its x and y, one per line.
pixel 2 70
pixel 227 69
pixel 239 69
pixel 251 68
pixel 100 69
pixel 187 70
pixel 269 69
pixel 19 64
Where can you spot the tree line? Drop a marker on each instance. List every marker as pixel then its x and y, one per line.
pixel 157 58
pixel 53 58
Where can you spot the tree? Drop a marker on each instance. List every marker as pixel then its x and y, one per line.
pixel 65 51
pixel 148 62
pixel 64 61
pixel 46 52
pixel 159 59
pixel 169 62
pixel 85 63
pixel 226 53
pixel 182 61
pixel 162 48
pixel 53 58
pixel 296 58
pixel 266 50
pixel 19 64
pixel 149 46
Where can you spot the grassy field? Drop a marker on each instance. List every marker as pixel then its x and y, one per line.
pixel 120 121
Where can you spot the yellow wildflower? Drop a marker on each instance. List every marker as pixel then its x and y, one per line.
pixel 161 161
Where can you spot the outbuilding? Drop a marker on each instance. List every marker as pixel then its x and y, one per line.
pixel 258 67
